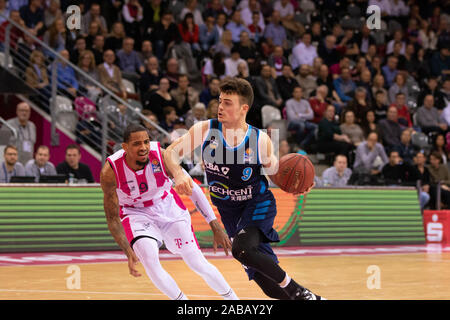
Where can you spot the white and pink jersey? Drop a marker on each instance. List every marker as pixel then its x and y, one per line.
pixel 139 189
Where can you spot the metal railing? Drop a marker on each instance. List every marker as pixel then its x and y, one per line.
pixel 74 99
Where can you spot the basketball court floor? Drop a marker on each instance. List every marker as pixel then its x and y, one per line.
pixel 343 273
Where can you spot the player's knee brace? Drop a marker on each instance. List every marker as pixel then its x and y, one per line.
pixel 242 250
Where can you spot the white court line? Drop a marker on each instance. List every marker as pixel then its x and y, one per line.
pixel 117 293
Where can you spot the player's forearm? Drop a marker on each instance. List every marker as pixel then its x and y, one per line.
pixel 116 229
pixel 201 202
pixel 172 161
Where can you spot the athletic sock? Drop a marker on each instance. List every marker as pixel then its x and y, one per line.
pixel 181 296
pixel 230 295
pixel 288 280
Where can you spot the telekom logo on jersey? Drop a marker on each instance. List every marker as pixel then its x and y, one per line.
pixel 254 151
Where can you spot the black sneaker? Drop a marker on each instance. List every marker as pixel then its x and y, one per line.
pixel 297 292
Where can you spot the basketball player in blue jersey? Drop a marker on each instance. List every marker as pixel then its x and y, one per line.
pixel 234 154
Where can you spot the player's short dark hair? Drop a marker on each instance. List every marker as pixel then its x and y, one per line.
pixel 131 128
pixel 238 86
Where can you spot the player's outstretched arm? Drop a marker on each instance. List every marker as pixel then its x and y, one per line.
pixel 181 147
pixel 111 207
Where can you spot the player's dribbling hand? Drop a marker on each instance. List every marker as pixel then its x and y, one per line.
pixel 132 263
pixel 220 238
pixel 306 192
pixel 183 185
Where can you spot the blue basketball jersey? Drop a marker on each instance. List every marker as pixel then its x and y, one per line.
pixel 233 173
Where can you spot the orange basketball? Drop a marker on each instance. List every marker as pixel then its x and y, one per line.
pixel 295 173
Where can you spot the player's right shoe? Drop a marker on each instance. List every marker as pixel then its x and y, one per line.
pixel 297 292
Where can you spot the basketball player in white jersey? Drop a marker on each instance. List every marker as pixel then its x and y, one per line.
pixel 143 211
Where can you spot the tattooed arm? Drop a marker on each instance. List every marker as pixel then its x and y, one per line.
pixel 111 207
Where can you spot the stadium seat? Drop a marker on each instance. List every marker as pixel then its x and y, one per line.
pixel 2 61
pixel 268 114
pixel 67 119
pixel 62 104
pixel 129 86
pixel 420 140
pixel 281 126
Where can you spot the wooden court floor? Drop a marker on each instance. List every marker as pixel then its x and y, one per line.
pixel 396 276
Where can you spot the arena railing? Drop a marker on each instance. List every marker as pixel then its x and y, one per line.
pixel 90 113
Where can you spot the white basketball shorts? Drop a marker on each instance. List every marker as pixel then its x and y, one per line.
pixel 166 221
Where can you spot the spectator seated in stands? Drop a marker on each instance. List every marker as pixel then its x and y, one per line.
pixel 164 35
pixel 170 116
pixel 232 62
pixel 338 175
pixel 266 93
pixel 33 15
pixel 37 78
pixel 398 86
pixel 299 114
pixel 390 70
pixel 439 145
pixel 359 105
pixel 352 129
pixel 428 117
pixel 73 168
pixel 129 62
pixel 211 92
pixel 380 105
pixel 327 50
pixel 150 78
pixel 390 130
pixel 370 156
pixel 275 33
pixel 110 75
pixel 406 149
pixel 439 174
pixel 153 133
pixel 277 60
pixel 86 85
pixel 185 96
pixel 40 165
pixel 304 52
pixel 440 61
pixel 306 80
pixel 404 117
pixel 26 132
pixel 155 101
pixel 114 40
pixel 396 172
pixel 196 114
pixel 79 48
pixel 286 82
pixel 330 137
pixel 94 14
pixel 67 82
pixel 319 103
pixel 208 34
pixel 422 175
pixel 55 36
pixel 344 85
pixel 10 167
pixel 189 32
pixel 433 89
pixel 118 121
